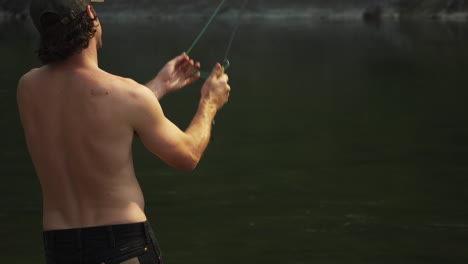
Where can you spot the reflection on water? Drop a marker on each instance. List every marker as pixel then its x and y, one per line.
pixel 342 143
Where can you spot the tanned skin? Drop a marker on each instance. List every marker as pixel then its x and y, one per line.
pixel 79 122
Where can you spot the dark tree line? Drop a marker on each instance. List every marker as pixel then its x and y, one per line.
pixel 18 8
pixel 14 6
pixel 431 6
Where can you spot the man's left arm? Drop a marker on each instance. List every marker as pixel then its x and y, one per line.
pixel 176 74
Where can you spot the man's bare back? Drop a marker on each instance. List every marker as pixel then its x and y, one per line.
pixel 80 138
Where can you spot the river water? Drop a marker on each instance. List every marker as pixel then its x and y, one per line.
pixel 343 142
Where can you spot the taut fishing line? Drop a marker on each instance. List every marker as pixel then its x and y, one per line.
pixel 202 32
pixel 233 34
pixel 225 62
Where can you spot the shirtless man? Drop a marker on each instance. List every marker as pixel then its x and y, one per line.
pixel 79 123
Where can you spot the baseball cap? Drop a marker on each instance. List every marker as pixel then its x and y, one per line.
pixel 64 10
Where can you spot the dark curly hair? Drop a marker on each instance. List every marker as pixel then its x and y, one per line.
pixel 61 40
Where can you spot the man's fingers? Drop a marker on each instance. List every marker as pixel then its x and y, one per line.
pixel 217 70
pixel 180 60
pixel 224 77
pixel 195 77
pixel 217 67
pixel 189 70
pixel 187 65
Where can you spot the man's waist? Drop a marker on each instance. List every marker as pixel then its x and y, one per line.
pixel 107 236
pixel 71 217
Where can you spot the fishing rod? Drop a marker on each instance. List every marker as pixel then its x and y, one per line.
pixel 225 63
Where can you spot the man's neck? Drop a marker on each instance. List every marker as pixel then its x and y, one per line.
pixel 86 58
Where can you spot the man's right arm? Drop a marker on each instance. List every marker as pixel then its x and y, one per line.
pixel 182 150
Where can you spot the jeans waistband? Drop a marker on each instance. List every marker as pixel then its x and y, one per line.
pixel 110 233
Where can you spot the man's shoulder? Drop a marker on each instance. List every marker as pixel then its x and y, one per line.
pixel 26 80
pixel 133 99
pixel 119 82
pixel 128 91
pixel 30 75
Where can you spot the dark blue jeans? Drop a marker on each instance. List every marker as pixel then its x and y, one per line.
pixel 127 244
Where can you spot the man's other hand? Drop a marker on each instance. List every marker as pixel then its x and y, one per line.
pixel 176 74
pixel 216 89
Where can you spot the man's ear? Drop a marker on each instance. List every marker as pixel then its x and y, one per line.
pixel 91 12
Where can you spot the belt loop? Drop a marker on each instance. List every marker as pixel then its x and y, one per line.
pixel 52 240
pixel 147 232
pixel 80 236
pixel 80 239
pixel 44 238
pixel 110 235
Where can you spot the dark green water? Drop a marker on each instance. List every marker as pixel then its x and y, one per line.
pixel 342 143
